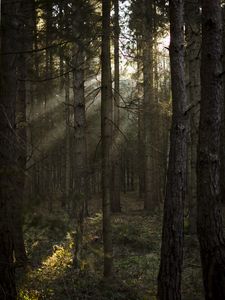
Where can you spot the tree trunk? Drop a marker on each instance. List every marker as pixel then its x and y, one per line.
pixel 210 226
pixel 19 247
pixel 48 37
pixel 140 142
pixel 169 280
pixel 61 50
pixel 106 133
pixel 80 145
pixel 81 189
pixel 8 172
pixel 23 72
pixel 149 201
pixel 68 144
pixel 115 201
pixel 222 144
pixel 192 22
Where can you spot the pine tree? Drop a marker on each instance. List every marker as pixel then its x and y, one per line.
pixel 106 134
pixel 210 225
pixel 169 280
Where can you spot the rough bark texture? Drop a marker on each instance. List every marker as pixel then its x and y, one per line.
pixel 80 144
pixel 222 144
pixel 106 133
pixel 9 32
pixel 20 253
pixel 210 227
pixel 23 97
pixel 193 39
pixel 80 150
pixel 169 280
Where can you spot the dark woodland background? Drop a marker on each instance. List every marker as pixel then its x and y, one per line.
pixel 112 140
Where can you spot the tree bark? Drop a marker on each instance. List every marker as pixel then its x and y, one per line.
pixel 68 143
pixel 80 145
pixel 193 31
pixel 147 43
pixel 81 188
pixel 140 142
pixel 169 280
pixel 222 144
pixel 8 172
pixel 106 134
pixel 115 201
pixel 23 97
pixel 210 225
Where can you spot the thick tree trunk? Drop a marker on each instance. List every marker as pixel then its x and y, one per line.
pixel 23 94
pixel 192 22
pixel 8 172
pixel 222 144
pixel 80 144
pixel 210 226
pixel 19 247
pixel 169 280
pixel 106 133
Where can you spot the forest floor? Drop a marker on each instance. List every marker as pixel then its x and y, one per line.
pixel 136 239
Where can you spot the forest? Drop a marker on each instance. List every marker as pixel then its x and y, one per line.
pixel 112 149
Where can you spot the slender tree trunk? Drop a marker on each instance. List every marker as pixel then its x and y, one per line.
pixel 80 151
pixel 115 201
pixel 61 50
pixel 35 36
pixel 68 143
pixel 141 173
pixel 149 201
pixel 30 94
pixel 210 225
pixel 48 37
pixel 140 144
pixel 106 133
pixel 128 172
pixel 169 280
pixel 157 127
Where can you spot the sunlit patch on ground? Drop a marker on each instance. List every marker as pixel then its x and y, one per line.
pixel 136 238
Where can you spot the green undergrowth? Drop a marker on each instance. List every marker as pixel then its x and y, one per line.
pixel 136 238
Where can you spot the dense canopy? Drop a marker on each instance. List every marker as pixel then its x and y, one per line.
pixel 112 150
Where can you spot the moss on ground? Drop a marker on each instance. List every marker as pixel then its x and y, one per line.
pixel 136 238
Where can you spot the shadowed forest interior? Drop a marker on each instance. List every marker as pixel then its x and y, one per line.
pixel 112 140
